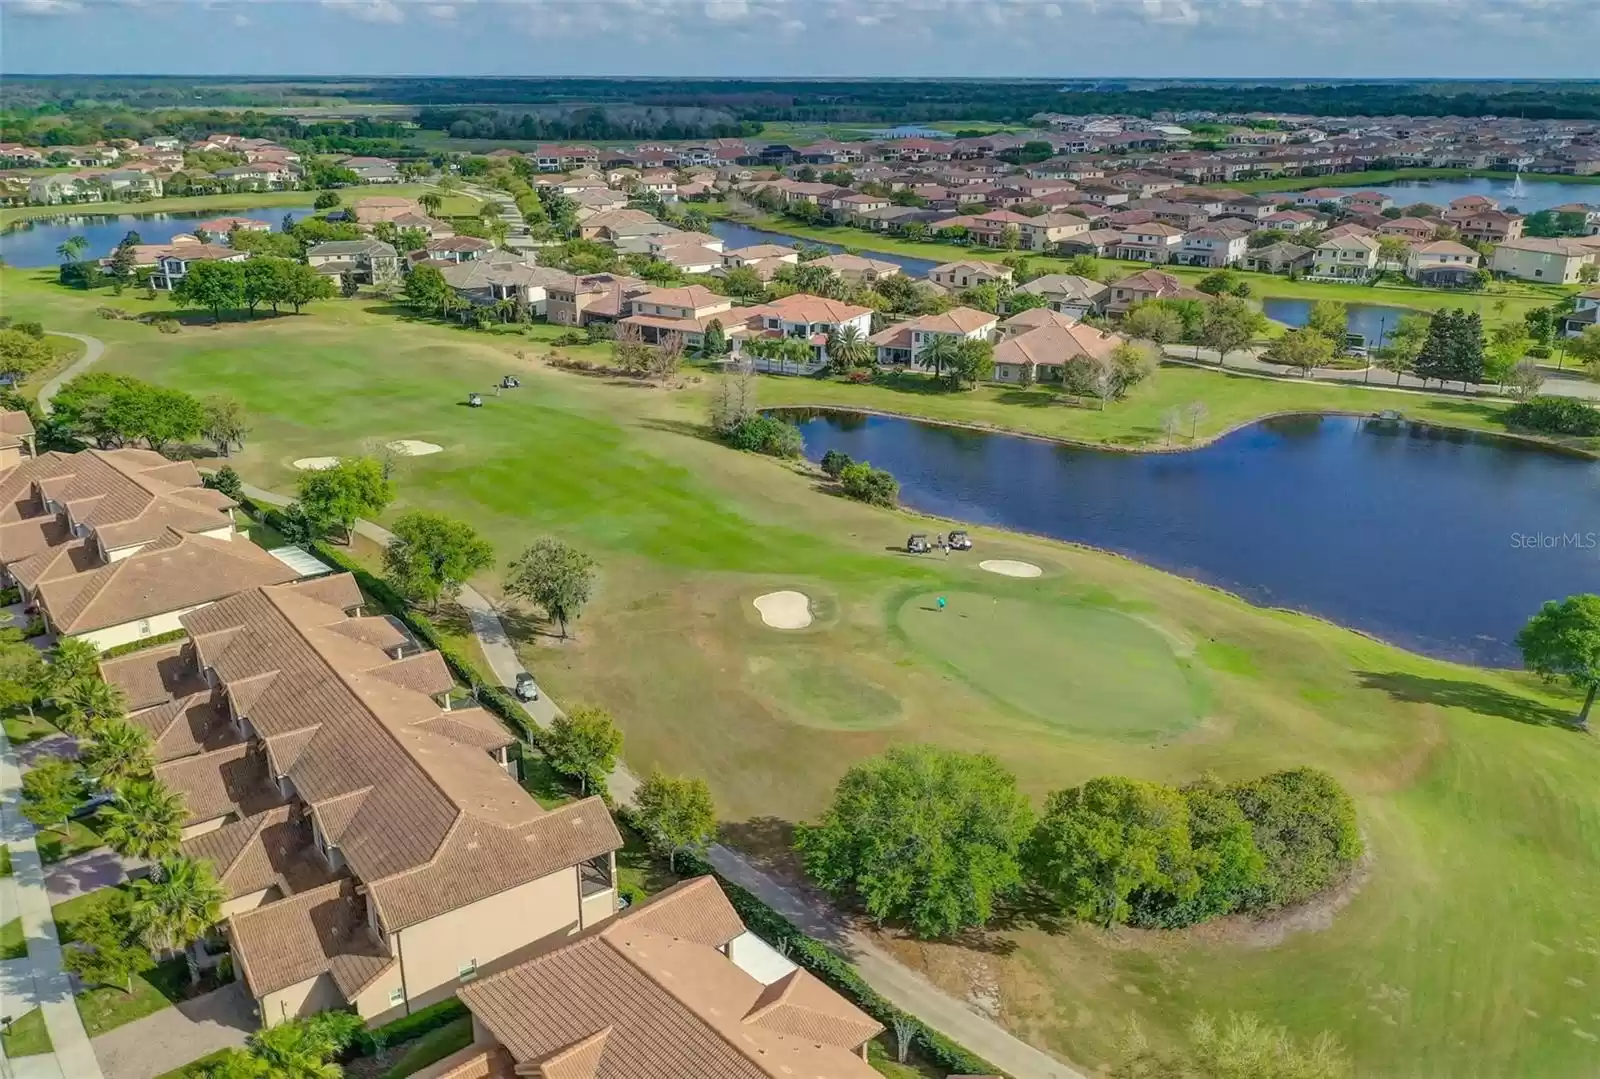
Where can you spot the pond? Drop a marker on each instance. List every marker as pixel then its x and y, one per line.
pixel 736 234
pixel 1535 194
pixel 1441 541
pixel 1374 322
pixel 31 244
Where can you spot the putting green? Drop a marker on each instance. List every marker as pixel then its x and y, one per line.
pixel 1082 669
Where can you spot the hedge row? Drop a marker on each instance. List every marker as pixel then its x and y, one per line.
pixel 169 637
pixel 827 965
pixel 420 1022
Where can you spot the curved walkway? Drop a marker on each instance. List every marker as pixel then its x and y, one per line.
pixel 95 348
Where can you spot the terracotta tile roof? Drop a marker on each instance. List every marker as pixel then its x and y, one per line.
pixel 962 320
pixel 179 572
pixel 626 1001
pixel 804 307
pixel 404 788
pixel 690 296
pixel 321 931
pixel 270 849
pixel 846 263
pixel 155 675
pixel 15 424
pixel 1035 317
pixel 195 723
pixel 1051 345
pixel 1069 285
pixel 231 780
pixel 473 1062
pixel 20 540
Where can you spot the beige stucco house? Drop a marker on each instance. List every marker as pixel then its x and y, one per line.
pixel 1533 258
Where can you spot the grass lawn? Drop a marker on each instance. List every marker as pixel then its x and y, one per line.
pixel 1385 176
pixel 105 1008
pixel 5 861
pixel 881 1055
pixel 1470 949
pixel 433 1046
pixel 454 204
pixel 55 846
pixel 196 1069
pixel 13 945
pixel 27 1036
pixel 1506 301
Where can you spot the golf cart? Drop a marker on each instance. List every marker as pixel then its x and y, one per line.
pixel 510 382
pixel 474 400
pixel 526 689
pixel 918 544
pixel 960 541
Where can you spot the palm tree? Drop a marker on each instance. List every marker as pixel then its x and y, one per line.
pixel 939 351
pixel 430 201
pixel 118 753
pixel 85 701
pixel 145 821
pixel 302 1048
pixel 72 248
pixel 72 659
pixel 848 347
pixel 178 906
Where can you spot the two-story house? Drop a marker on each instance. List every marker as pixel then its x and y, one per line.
pixel 368 261
pixel 764 259
pixel 969 274
pixel 173 263
pixel 1348 258
pixel 580 300
pixel 374 845
pixel 903 344
pixel 686 311
pixel 1150 242
pixel 1047 232
pixel 1533 258
pixel 807 317
pixel 1069 294
pixel 1585 313
pixel 1215 246
pixel 1147 285
pixel 1442 263
pixel 857 269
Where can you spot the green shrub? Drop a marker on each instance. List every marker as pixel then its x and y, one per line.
pixel 864 483
pixel 1555 416
pixel 149 642
pixel 765 434
pixel 418 1023
pixel 835 462
pixel 1304 824
pixel 1539 352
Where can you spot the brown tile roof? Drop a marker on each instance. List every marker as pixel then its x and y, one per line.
pixel 404 788
pixel 231 780
pixel 962 320
pixel 804 307
pixel 321 931
pixel 184 726
pixel 179 572
pixel 270 849
pixel 628 1001
pixel 1052 345
pixel 20 540
pixel 473 1062
pixel 155 676
pixel 15 424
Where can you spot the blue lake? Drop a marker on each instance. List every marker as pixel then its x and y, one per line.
pixel 32 244
pixel 734 234
pixel 1536 194
pixel 1374 322
pixel 1441 541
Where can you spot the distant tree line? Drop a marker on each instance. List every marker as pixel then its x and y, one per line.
pixel 587 124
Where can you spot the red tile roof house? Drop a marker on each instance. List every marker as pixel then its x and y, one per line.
pixel 219 227
pixel 677 988
pixel 903 344
pixel 375 850
pixel 1148 285
pixel 1412 229
pixel 1042 343
pixel 686 311
pixel 1152 242
pixel 1489 226
pixel 1318 195
pixel 810 318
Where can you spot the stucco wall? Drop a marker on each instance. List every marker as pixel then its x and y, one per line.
pixel 249 901
pixel 433 952
pixel 137 630
pixel 317 994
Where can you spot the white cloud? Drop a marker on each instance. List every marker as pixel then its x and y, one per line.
pixel 48 7
pixel 727 10
pixel 241 20
pixel 375 11
pixel 443 12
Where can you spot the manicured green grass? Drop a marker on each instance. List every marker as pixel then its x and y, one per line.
pixel 105 1008
pixel 57 845
pixel 197 1069
pixel 433 1046
pixel 1469 949
pixel 1386 176
pixel 13 944
pixel 548 787
pixel 5 862
pixel 456 203
pixel 27 1036
pixel 1078 667
pixel 881 1055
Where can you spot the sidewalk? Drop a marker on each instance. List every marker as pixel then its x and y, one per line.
pixel 50 988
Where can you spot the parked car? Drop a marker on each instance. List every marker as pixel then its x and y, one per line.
pixel 526 689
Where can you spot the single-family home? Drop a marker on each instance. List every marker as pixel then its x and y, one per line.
pixel 1147 285
pixel 581 300
pixel 367 261
pixel 764 259
pixel 1585 313
pixel 219 227
pixel 807 317
pixel 904 343
pixel 1151 242
pixel 173 263
pixel 1047 232
pixel 1319 195
pixel 373 170
pixel 376 208
pixel 565 158
pixel 1280 257
pixel 1351 259
pixel 1369 202
pixel 993 228
pixel 1415 230
pixel 372 842
pixel 1039 352
pixel 1535 258
pixel 614 226
pixel 62 188
pixel 857 269
pixel 1215 246
pixel 1248 207
pixel 1291 221
pixel 484 282
pixel 969 274
pixel 1097 242
pixel 1490 226
pixel 677 986
pixel 16 441
pixel 686 312
pixel 1070 294
pixel 1442 263
pixel 457 249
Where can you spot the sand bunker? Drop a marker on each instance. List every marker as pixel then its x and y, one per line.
pixel 410 447
pixel 315 464
pixel 785 610
pixel 1010 568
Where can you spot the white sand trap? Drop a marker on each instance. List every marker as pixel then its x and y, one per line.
pixel 1010 568
pixel 785 610
pixel 315 464
pixel 410 447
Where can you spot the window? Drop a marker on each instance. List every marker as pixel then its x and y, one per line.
pixel 396 997
pixel 468 970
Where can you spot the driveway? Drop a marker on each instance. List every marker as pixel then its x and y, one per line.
pixel 172 1037
pixel 87 873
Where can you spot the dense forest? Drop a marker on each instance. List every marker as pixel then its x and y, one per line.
pixel 620 122
pixel 49 125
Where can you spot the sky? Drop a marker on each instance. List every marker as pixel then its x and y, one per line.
pixel 973 38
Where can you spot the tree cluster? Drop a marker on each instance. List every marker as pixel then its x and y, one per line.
pixel 875 486
pixel 1453 350
pixel 935 839
pixel 113 411
pixel 228 286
